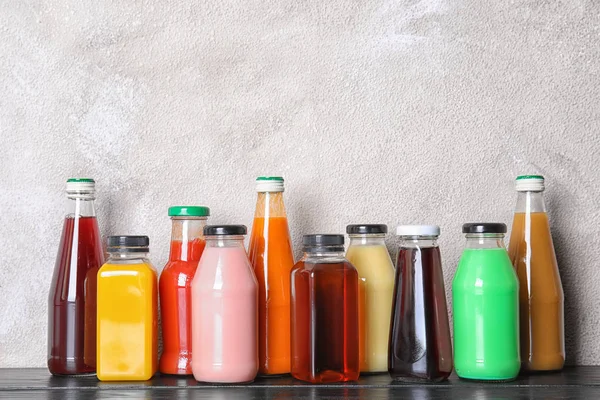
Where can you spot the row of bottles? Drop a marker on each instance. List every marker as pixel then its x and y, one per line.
pixel 329 317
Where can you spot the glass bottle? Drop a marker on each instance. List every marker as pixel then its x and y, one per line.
pixel 420 346
pixel 187 245
pixel 224 309
pixel 369 255
pixel 72 296
pixel 541 297
pixel 486 307
pixel 127 312
pixel 270 253
pixel 324 313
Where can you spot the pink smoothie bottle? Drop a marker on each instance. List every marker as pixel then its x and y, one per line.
pixel 224 309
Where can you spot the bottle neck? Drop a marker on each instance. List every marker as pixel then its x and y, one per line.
pixel 372 239
pixel 485 241
pixel 187 239
pixel 530 202
pixel 415 242
pixel 324 255
pixel 225 241
pixel 124 256
pixel 80 206
pixel 269 204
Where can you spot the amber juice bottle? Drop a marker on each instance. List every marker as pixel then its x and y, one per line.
pixel 541 299
pixel 324 313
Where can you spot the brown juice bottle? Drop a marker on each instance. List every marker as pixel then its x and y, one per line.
pixel 324 313
pixel 541 299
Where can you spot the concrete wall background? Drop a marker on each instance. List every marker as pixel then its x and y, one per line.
pixel 393 111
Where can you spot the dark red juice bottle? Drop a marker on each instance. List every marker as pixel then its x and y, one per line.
pixel 419 345
pixel 72 298
pixel 324 313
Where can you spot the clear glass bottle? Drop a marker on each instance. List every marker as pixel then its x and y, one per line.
pixel 541 297
pixel 127 312
pixel 271 256
pixel 225 309
pixel 324 313
pixel 420 344
pixel 187 245
pixel 369 255
pixel 485 302
pixel 72 296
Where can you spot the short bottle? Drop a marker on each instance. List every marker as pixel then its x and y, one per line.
pixel 175 287
pixel 541 297
pixel 485 302
pixel 420 344
pixel 127 312
pixel 72 297
pixel 368 253
pixel 324 313
pixel 224 309
pixel 270 253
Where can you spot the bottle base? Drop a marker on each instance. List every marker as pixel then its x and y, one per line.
pixel 479 379
pixel 416 379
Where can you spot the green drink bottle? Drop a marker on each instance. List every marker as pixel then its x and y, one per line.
pixel 485 294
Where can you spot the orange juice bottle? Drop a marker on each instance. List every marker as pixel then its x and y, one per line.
pixel 541 299
pixel 127 312
pixel 271 256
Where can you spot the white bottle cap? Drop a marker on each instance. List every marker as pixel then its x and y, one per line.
pixel 76 185
pixel 530 183
pixel 269 184
pixel 418 230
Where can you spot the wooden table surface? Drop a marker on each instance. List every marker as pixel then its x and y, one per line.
pixel 572 383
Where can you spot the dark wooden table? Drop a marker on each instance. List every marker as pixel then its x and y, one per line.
pixel 572 383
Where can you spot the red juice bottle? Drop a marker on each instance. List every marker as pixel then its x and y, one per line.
pixel 187 245
pixel 72 297
pixel 324 313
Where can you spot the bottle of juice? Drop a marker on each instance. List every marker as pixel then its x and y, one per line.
pixel 187 245
pixel 127 312
pixel 420 347
pixel 271 256
pixel 72 297
pixel 485 294
pixel 541 296
pixel 369 255
pixel 224 309
pixel 324 313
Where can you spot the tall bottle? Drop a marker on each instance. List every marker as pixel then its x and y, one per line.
pixel 485 294
pixel 175 287
pixel 420 347
pixel 541 296
pixel 324 313
pixel 72 297
pixel 369 255
pixel 270 253
pixel 224 309
pixel 127 312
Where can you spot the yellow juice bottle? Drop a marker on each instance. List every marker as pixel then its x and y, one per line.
pixel 127 312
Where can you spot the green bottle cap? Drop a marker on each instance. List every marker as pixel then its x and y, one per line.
pixel 80 180
pixel 189 211
pixel 270 178
pixel 521 177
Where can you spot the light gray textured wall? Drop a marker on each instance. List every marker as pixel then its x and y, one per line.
pixel 390 111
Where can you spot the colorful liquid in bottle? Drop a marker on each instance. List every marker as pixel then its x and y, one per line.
pixel 225 315
pixel 127 321
pixel 175 303
pixel 325 326
pixel 486 316
pixel 72 300
pixel 541 296
pixel 271 256
pixel 420 346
